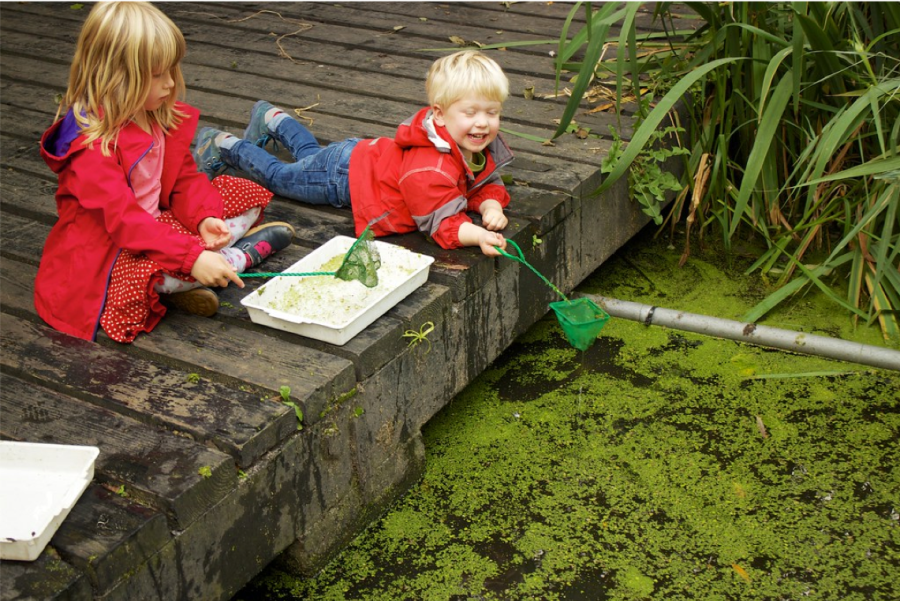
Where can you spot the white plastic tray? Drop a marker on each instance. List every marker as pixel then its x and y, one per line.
pixel 39 484
pixel 330 309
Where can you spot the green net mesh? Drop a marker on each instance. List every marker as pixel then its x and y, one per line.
pixel 581 320
pixel 362 261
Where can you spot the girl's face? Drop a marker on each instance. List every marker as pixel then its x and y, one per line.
pixel 472 121
pixel 160 88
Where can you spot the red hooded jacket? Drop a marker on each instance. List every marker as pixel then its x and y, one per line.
pixel 421 181
pixel 99 216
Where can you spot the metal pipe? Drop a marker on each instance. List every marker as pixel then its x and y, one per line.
pixel 810 344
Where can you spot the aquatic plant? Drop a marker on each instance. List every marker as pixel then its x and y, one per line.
pixel 656 464
pixel 793 119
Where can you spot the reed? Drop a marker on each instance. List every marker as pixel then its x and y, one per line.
pixel 792 128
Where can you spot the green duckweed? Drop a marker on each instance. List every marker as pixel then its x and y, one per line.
pixel 656 465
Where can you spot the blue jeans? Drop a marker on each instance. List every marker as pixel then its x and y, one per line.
pixel 318 176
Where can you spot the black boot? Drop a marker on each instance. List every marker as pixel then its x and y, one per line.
pixel 265 240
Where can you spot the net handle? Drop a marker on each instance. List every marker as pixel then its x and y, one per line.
pixel 521 259
pixel 355 243
pixel 273 274
pixel 270 274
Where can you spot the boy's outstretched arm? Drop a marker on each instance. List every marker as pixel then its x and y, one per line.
pixel 475 235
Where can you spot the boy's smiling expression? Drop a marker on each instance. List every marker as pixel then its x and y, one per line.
pixel 472 121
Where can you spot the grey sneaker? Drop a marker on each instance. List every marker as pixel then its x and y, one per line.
pixel 265 240
pixel 257 133
pixel 207 155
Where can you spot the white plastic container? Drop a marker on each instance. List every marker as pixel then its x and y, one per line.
pixel 330 309
pixel 39 485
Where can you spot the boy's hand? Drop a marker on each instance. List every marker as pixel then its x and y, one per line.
pixel 475 235
pixel 215 233
pixel 489 241
pixel 211 269
pixel 492 215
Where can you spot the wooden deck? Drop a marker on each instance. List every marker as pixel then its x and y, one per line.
pixel 203 476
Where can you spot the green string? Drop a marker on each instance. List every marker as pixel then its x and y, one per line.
pixel 521 259
pixel 271 274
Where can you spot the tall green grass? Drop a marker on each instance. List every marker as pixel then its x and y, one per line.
pixel 793 123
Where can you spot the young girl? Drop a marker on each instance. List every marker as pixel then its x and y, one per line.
pixel 137 222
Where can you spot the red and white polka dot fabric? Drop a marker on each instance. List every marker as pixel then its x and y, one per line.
pixel 132 303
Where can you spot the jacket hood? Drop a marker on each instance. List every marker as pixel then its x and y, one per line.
pixel 420 130
pixel 56 143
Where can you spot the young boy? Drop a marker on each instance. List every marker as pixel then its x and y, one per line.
pixel 442 162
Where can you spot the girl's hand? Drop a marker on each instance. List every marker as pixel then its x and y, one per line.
pixel 492 215
pixel 211 269
pixel 215 233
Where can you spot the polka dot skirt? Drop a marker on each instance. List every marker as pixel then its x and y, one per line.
pixel 132 303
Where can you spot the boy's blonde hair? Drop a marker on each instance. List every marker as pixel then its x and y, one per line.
pixel 121 46
pixel 468 71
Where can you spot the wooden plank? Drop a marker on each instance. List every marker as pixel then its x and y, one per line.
pixel 110 537
pixel 543 209
pixel 254 356
pixel 35 108
pixel 462 270
pixel 438 20
pixel 342 72
pixel 47 577
pixel 234 421
pixel 23 240
pixel 243 353
pixel 246 358
pixel 156 467
pixel 548 13
pixel 538 19
pixel 339 115
pixel 345 25
pixel 543 173
pixel 338 34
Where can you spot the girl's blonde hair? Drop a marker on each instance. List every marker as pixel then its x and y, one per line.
pixel 468 71
pixel 120 48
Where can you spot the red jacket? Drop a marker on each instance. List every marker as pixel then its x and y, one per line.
pixel 421 180
pixel 99 216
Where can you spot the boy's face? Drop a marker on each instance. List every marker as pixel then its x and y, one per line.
pixel 472 122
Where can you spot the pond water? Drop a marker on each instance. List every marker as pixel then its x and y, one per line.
pixel 658 464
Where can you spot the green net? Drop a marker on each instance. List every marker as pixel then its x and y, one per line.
pixel 581 320
pixel 362 261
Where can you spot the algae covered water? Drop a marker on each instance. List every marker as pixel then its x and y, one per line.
pixel 656 465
